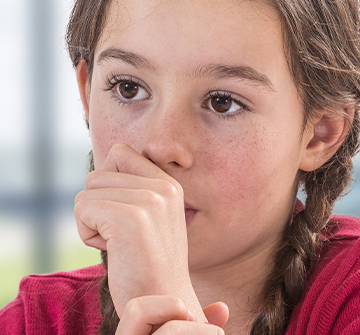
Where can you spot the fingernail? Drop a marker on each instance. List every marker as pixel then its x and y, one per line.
pixel 192 316
pixel 209 323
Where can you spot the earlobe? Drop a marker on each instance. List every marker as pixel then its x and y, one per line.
pixel 82 77
pixel 324 138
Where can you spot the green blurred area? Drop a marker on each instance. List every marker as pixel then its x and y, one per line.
pixel 75 257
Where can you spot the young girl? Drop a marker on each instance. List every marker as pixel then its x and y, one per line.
pixel 205 118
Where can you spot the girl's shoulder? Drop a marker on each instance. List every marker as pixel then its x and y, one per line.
pixel 341 227
pixel 58 303
pixel 88 274
pixel 331 301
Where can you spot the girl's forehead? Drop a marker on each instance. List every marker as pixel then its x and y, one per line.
pixel 196 14
pixel 220 26
pixel 199 7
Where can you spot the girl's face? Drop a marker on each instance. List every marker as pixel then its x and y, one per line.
pixel 202 88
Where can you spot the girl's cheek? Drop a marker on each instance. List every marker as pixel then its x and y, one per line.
pixel 103 135
pixel 107 130
pixel 237 163
pixel 247 166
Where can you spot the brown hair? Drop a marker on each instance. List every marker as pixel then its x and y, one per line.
pixel 322 45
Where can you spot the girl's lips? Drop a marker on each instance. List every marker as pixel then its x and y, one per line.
pixel 190 213
pixel 189 216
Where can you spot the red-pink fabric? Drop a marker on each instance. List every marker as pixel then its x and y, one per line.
pixel 59 303
pixel 331 301
pixel 67 303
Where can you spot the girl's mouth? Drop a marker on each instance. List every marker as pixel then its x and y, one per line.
pixel 190 214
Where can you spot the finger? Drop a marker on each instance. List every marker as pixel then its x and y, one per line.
pixel 94 217
pixel 142 313
pixel 123 158
pixel 114 185
pixel 217 313
pixel 189 328
pixel 94 206
pixel 96 241
pixel 110 179
pixel 145 197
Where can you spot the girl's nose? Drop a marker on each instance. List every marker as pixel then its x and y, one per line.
pixel 168 140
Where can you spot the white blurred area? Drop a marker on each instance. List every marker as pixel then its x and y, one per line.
pixel 44 156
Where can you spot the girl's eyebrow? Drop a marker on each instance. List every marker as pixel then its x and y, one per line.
pixel 219 71
pixel 222 71
pixel 125 56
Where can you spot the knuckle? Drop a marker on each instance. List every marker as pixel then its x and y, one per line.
pixel 82 211
pixel 114 151
pixel 140 216
pixel 119 146
pixel 133 308
pixel 91 180
pixel 80 196
pixel 178 304
pixel 170 189
pixel 79 208
pixel 178 188
pixel 151 197
pixel 109 229
pixel 117 152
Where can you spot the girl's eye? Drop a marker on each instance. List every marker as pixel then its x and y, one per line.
pixel 126 90
pixel 224 103
pixel 131 91
pixel 221 104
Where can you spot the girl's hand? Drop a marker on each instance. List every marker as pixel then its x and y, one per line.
pixel 135 211
pixel 167 315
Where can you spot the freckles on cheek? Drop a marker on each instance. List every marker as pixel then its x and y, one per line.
pixel 227 170
pixel 104 134
pixel 240 170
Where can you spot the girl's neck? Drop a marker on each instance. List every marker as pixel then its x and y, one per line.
pixel 239 284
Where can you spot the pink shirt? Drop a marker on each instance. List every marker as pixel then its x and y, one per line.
pixel 331 301
pixel 67 302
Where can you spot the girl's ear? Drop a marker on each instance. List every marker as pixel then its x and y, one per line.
pixel 324 137
pixel 82 77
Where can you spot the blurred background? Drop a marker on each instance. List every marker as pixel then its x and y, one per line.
pixel 44 145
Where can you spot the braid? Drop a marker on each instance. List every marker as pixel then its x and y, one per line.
pixel 284 288
pixel 108 312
